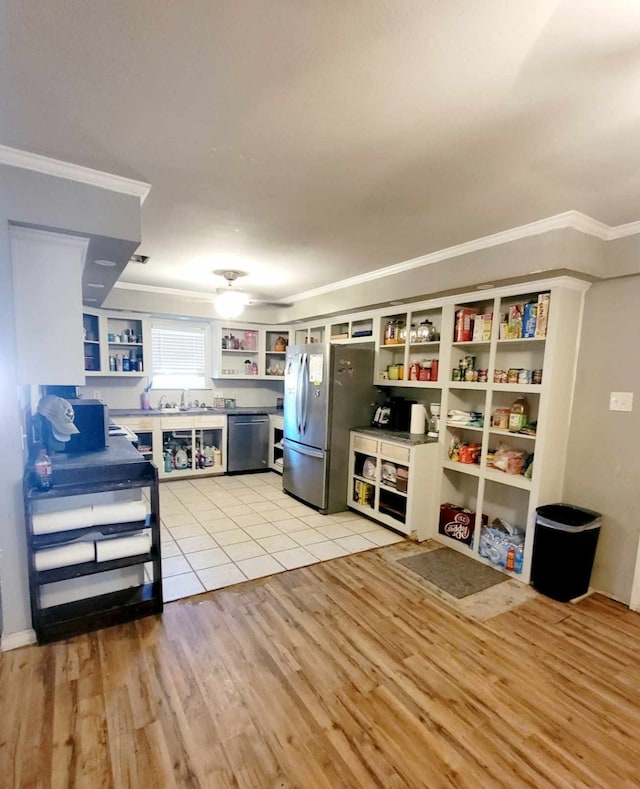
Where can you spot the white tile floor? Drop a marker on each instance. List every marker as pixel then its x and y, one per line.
pixel 221 530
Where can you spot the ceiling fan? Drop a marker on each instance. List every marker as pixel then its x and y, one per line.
pixel 230 303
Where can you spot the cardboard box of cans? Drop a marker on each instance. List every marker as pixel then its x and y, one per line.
pixel 458 522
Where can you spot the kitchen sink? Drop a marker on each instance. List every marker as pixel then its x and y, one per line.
pixel 194 410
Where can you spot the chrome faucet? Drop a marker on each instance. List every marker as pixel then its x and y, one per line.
pixel 160 401
pixel 182 398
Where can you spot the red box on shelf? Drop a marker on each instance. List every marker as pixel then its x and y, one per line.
pixel 458 522
pixel 463 331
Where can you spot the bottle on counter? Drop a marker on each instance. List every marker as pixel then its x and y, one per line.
pixel 43 471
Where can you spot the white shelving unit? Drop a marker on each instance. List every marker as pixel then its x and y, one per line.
pixel 480 488
pixel 373 493
pixel 249 351
pixel 111 338
pixel 276 435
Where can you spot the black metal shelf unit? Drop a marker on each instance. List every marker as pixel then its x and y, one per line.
pixel 67 619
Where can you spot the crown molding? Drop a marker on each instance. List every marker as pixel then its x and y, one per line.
pixel 569 219
pixel 189 294
pixel 621 231
pixel 73 172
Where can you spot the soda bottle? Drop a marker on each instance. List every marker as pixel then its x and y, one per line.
pixel 518 559
pixel 42 470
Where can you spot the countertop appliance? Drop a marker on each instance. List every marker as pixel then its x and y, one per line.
pixel 327 391
pixel 247 442
pixel 394 415
pixel 91 417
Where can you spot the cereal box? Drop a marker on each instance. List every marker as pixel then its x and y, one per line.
pixel 543 315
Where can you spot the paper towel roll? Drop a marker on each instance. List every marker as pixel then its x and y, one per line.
pixel 124 512
pixel 418 418
pixel 119 547
pixel 46 522
pixel 75 553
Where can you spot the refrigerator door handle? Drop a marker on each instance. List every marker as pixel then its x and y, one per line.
pixel 305 389
pixel 303 450
pixel 299 396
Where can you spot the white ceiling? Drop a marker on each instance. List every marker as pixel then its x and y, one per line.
pixel 307 142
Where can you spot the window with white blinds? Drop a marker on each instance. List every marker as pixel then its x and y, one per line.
pixel 178 356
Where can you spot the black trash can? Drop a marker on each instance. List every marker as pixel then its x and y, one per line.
pixel 564 547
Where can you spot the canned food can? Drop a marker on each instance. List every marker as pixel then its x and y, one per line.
pixel 524 377
pixel 513 375
pixel 455 374
pixel 536 377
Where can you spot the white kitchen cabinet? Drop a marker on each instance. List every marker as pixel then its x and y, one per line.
pixel 249 352
pixel 394 480
pixel 146 429
pixel 401 342
pixel 315 333
pixel 115 345
pixel 47 283
pixel 276 435
pixel 197 445
pixel 350 331
pixel 202 439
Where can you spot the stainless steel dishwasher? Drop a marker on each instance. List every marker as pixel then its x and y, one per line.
pixel 247 442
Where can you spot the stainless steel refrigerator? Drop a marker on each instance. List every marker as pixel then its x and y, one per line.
pixel 327 391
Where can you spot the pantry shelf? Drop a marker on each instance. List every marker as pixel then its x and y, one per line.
pixel 499 432
pixel 514 480
pixel 471 469
pixel 465 427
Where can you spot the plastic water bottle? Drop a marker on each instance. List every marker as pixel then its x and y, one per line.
pixel 43 471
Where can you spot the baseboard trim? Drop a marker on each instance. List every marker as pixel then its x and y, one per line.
pixel 23 638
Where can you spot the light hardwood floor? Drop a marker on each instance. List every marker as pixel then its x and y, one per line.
pixel 348 673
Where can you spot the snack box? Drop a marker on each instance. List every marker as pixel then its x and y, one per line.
pixel 514 328
pixel 543 315
pixel 482 327
pixel 529 319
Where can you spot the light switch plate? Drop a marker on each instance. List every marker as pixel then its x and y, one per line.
pixel 621 401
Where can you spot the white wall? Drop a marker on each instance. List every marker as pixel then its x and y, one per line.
pixel 603 468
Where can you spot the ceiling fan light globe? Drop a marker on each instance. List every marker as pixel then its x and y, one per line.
pixel 230 304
